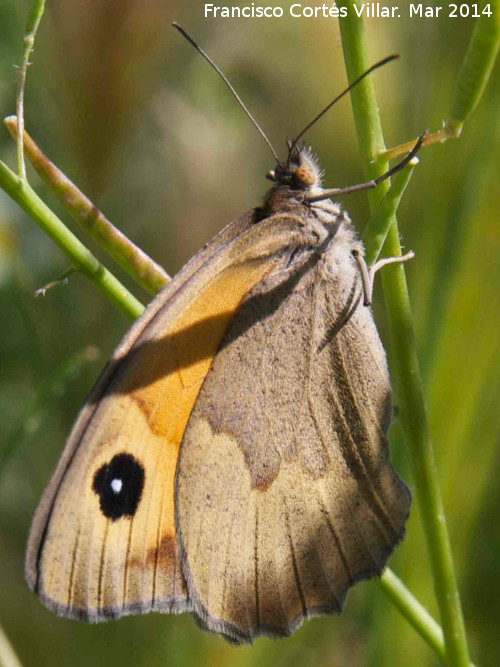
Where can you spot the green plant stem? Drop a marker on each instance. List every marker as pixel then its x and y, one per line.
pixel 405 367
pixel 476 68
pixel 413 611
pixel 377 227
pixel 141 268
pixel 81 258
pixel 34 18
pixel 8 657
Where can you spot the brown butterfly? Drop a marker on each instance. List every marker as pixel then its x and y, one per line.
pixel 232 459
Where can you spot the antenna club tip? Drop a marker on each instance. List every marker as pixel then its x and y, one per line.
pixel 388 59
pixel 178 27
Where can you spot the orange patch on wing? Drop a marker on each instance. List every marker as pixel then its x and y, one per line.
pixel 174 365
pixel 163 382
pixel 164 556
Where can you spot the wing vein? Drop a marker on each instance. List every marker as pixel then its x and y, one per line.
pixel 337 540
pixel 72 570
pixel 310 358
pixel 294 563
pixel 367 487
pixel 102 565
pixel 256 565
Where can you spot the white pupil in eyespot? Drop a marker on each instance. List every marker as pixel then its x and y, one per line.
pixel 116 485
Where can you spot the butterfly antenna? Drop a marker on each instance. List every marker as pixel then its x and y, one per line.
pixel 344 92
pixel 228 84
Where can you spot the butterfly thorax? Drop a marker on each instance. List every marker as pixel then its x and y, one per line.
pixel 296 181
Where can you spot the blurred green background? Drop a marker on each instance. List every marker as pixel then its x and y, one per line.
pixel 137 119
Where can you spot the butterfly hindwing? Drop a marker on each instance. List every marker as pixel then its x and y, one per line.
pixel 285 495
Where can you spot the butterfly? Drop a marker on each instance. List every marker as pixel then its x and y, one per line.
pixel 232 459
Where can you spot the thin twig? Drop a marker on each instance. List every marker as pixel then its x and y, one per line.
pixel 32 24
pixel 145 271
pixel 61 280
pixel 433 138
pixel 81 258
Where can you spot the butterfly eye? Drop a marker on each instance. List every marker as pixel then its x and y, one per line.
pixel 305 175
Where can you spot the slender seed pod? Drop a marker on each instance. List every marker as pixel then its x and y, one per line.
pixel 476 68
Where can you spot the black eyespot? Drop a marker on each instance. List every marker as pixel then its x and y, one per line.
pixel 119 485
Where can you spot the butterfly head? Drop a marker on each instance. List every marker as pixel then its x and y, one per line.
pixel 301 170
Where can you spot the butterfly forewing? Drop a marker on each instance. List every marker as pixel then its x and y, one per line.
pixel 103 541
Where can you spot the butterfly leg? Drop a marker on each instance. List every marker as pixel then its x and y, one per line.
pixel 368 272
